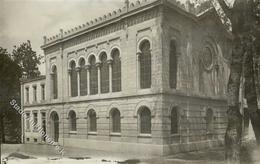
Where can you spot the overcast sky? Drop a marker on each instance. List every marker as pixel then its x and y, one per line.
pixel 22 20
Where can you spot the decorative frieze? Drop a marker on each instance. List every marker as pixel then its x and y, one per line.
pixel 120 25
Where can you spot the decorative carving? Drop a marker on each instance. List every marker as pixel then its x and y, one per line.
pixel 133 20
pixel 207 58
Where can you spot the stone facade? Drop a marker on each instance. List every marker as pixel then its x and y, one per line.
pixel 202 50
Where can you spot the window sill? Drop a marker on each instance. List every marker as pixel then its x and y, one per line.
pixel 115 134
pixel 92 133
pixel 35 131
pixel 73 132
pixel 145 136
pixel 209 133
pixel 175 135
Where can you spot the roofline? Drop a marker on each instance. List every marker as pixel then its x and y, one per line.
pixel 39 78
pixel 121 14
pixel 144 6
pixel 210 11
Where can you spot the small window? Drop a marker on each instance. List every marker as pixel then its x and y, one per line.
pixel 27 122
pixel 93 76
pixel 72 121
pixel 116 121
pixel 145 120
pixel 104 73
pixel 83 78
pixel 43 114
pixel 35 93
pixel 35 140
pixel 173 65
pixel 174 121
pixel 54 83
pixel 73 80
pixel 92 121
pixel 27 139
pixel 43 91
pixel 116 71
pixel 145 65
pixel 27 94
pixel 35 121
pixel 209 121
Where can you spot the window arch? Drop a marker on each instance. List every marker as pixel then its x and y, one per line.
pixel 145 120
pixel 92 121
pixel 174 120
pixel 145 65
pixel 173 65
pixel 93 76
pixel 209 120
pixel 115 120
pixel 83 77
pixel 116 71
pixel 54 82
pixel 73 79
pixel 72 121
pixel 104 73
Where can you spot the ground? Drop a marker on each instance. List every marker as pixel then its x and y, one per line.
pixel 41 154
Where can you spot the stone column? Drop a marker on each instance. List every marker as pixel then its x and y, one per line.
pixel 78 69
pixel 88 78
pixel 98 65
pixel 110 62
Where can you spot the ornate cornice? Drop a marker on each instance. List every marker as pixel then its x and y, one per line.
pixel 131 14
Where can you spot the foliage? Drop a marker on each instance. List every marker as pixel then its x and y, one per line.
pixel 10 73
pixel 27 59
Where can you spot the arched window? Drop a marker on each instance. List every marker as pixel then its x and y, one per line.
pixel 173 65
pixel 209 120
pixel 116 71
pixel 73 79
pixel 116 120
pixel 54 82
pixel 145 120
pixel 93 76
pixel 174 121
pixel 145 65
pixel 72 121
pixel 83 78
pixel 92 117
pixel 104 73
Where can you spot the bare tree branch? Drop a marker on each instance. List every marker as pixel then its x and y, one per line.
pixel 225 7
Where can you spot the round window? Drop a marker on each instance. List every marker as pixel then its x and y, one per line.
pixel 207 58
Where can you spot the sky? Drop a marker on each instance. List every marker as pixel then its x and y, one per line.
pixel 22 20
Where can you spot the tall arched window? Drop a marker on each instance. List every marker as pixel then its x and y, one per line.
pixel 93 76
pixel 72 121
pixel 92 121
pixel 173 65
pixel 174 121
pixel 145 65
pixel 54 82
pixel 83 78
pixel 73 79
pixel 116 120
pixel 104 73
pixel 145 120
pixel 209 120
pixel 116 71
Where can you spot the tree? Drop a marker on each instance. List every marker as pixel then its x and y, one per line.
pixel 245 63
pixel 27 59
pixel 10 73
